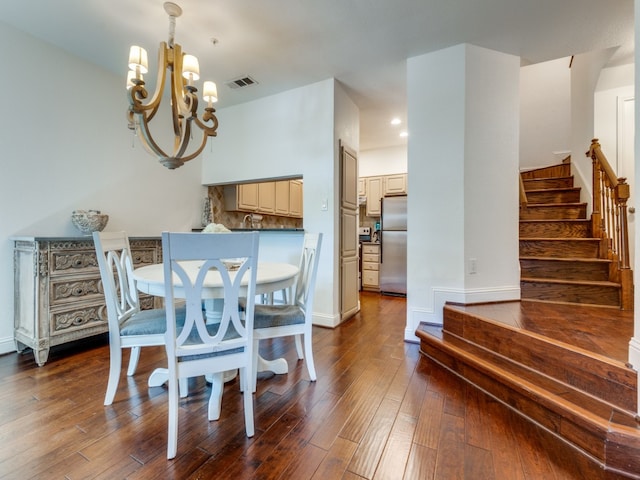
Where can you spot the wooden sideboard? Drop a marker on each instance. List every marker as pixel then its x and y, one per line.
pixel 58 294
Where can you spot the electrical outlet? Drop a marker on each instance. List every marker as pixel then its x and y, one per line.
pixel 324 206
pixel 473 266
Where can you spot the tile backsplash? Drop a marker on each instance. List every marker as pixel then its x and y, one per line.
pixel 234 219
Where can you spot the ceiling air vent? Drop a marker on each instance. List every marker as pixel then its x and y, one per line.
pixel 242 82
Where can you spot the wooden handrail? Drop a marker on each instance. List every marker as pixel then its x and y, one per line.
pixel 523 194
pixel 609 220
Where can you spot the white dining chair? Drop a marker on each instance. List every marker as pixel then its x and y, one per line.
pixel 295 319
pixel 129 326
pixel 202 347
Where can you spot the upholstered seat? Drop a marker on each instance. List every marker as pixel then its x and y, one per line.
pixel 266 316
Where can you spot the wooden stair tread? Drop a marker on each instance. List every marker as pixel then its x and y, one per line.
pixel 554 189
pixel 547 205
pixel 561 398
pixel 560 239
pixel 557 220
pixel 567 259
pixel 571 282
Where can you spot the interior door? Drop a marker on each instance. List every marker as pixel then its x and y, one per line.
pixel 349 298
pixel 626 162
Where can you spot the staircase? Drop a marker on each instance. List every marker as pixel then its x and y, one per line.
pixel 560 260
pixel 581 399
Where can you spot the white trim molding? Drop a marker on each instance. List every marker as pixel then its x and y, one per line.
pixel 434 316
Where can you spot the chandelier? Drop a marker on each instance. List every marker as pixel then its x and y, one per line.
pixel 184 100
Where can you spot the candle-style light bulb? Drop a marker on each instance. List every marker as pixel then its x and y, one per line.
pixel 138 61
pixel 190 68
pixel 210 92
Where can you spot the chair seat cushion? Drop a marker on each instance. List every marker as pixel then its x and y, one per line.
pixel 150 322
pixel 266 316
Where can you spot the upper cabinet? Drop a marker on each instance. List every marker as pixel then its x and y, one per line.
pixel 295 198
pixel 362 188
pixel 395 184
pixel 374 188
pixel 247 197
pixel 267 198
pixel 374 193
pixel 282 198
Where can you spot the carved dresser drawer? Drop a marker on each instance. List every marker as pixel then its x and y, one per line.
pixel 58 290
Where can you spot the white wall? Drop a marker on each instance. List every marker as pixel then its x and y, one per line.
pixel 585 71
pixel 463 110
pixel 614 85
pixel 289 134
pixel 66 146
pixel 382 161
pixel 545 113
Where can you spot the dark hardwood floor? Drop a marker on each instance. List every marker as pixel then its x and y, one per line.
pixel 379 410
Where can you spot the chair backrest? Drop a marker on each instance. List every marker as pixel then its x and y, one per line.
pixel 306 280
pixel 228 259
pixel 116 272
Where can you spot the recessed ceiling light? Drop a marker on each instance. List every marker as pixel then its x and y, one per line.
pixel 404 134
pixel 396 121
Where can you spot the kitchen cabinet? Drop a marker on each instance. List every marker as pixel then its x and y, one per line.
pixel 374 193
pixel 282 205
pixel 362 187
pixel 267 197
pixel 58 293
pixel 295 198
pixel 242 198
pixel 395 184
pixel 282 198
pixel 370 266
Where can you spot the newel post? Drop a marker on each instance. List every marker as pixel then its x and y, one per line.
pixel 596 215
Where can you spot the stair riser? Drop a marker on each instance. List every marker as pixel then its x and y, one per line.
pixel 512 394
pixel 554 196
pixel 562 170
pixel 567 270
pixel 612 384
pixel 554 212
pixel 612 451
pixel 560 248
pixel 570 293
pixel 555 229
pixel 540 183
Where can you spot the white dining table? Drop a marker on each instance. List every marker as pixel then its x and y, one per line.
pixel 271 277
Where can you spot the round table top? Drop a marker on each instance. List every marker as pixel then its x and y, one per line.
pixel 271 277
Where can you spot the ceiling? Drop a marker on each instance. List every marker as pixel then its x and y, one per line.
pixel 364 44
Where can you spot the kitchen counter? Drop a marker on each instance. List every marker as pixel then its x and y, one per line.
pixel 267 229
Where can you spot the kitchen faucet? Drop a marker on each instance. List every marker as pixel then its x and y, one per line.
pixel 244 221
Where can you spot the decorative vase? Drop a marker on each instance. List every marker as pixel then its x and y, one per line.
pixel 89 221
pixel 207 216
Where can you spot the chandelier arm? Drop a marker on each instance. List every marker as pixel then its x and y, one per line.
pixel 142 127
pixel 138 92
pixel 197 151
pixel 208 131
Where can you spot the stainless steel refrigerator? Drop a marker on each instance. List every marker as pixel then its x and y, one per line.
pixel 393 246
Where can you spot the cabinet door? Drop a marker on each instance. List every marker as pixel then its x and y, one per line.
pixel 248 197
pixel 282 198
pixel 395 184
pixel 267 197
pixel 362 187
pixel 295 198
pixel 374 193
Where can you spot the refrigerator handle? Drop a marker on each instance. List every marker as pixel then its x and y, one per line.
pixel 380 235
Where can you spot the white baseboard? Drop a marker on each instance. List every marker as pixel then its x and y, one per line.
pixel 7 345
pixel 433 315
